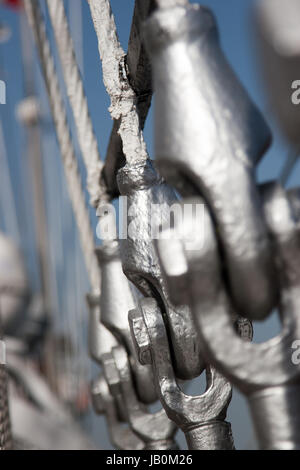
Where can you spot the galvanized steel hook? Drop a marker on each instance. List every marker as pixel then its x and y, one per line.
pixel 155 429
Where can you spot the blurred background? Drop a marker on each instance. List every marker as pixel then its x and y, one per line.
pixel 65 284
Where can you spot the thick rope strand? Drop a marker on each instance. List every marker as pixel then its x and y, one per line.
pixel 76 94
pixel 123 98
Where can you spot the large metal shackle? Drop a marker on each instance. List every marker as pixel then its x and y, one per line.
pixel 208 138
pixel 265 373
pixel 201 418
pixel 149 200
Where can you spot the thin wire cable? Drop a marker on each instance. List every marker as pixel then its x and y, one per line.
pixel 123 98
pixel 76 94
pixel 76 193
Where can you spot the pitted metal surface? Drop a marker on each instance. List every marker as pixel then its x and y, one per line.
pixel 122 437
pixel 149 201
pixel 265 372
pixel 155 429
pixel 208 139
pixel 117 299
pixel 202 418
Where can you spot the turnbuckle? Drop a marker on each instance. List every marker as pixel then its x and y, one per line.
pixel 208 138
pixel 111 345
pixel 265 373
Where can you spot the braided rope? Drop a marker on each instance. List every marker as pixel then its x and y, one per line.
pixel 65 142
pixel 5 428
pixel 123 98
pixel 75 90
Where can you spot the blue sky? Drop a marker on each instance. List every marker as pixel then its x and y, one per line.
pixel 235 19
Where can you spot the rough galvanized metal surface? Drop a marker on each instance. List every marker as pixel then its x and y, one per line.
pixel 202 418
pixel 155 429
pixel 67 150
pixel 148 205
pixel 265 373
pixel 122 437
pixel 117 299
pixel 208 138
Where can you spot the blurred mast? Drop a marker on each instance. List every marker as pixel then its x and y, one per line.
pixel 76 28
pixel 8 203
pixel 30 114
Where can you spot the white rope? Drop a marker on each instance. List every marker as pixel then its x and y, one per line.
pixel 78 101
pixel 123 98
pixel 65 142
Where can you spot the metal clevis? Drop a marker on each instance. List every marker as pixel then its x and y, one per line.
pixel 154 429
pixel 114 314
pixel 149 201
pixel 101 341
pixel 122 437
pixel 266 373
pixel 201 418
pixel 208 138
pixel 110 336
